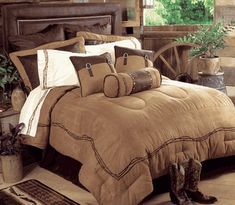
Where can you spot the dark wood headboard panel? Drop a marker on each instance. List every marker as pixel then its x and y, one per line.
pixel 18 17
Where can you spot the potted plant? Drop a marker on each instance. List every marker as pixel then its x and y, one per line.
pixel 10 151
pixel 209 39
pixel 10 85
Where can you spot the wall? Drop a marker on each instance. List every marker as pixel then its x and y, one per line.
pixel 226 10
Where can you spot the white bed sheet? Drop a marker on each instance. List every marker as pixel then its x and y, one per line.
pixel 30 112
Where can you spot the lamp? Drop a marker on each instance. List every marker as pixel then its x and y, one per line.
pixel 147 4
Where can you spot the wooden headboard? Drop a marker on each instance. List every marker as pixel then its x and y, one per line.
pixel 20 19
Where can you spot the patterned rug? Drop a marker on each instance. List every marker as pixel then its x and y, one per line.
pixel 32 192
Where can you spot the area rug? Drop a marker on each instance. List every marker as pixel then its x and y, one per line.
pixel 32 192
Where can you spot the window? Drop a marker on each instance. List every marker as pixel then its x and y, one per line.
pixel 171 12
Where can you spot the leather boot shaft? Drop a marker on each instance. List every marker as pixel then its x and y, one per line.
pixel 192 174
pixel 177 192
pixel 192 178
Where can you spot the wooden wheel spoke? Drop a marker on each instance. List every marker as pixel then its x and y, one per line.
pixel 173 59
pixel 177 58
pixel 167 64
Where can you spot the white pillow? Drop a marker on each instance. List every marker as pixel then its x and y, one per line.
pixel 109 47
pixel 56 69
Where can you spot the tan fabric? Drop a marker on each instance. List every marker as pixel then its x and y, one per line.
pixel 124 143
pixel 128 59
pixel 41 138
pixel 121 84
pixel 91 72
pixel 26 60
pixel 94 38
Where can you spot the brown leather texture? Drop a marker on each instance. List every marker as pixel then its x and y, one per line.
pixel 26 60
pixel 49 34
pixel 17 19
pixel 123 84
pixel 91 72
pixel 102 27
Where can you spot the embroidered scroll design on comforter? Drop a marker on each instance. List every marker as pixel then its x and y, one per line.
pixel 126 142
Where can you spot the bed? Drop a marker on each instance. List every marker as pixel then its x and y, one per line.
pixel 123 143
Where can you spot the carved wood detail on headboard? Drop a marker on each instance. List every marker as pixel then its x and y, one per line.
pixel 15 17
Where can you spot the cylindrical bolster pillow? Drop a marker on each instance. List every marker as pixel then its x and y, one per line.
pixel 121 84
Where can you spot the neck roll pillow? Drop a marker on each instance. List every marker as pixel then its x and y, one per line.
pixel 122 84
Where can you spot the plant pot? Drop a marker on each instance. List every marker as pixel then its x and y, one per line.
pixel 12 168
pixel 18 98
pixel 209 66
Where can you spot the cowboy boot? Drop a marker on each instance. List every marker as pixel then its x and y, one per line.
pixel 177 193
pixel 192 177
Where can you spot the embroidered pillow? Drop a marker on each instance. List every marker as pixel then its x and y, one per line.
pixel 122 84
pixel 26 61
pixel 91 72
pixel 128 59
pixel 49 34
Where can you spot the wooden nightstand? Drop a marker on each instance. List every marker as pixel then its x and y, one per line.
pixel 6 117
pixel 213 81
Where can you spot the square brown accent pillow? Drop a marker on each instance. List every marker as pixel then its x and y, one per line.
pixel 128 59
pixel 72 29
pixel 49 34
pixel 91 71
pixel 122 84
pixel 94 38
pixel 26 61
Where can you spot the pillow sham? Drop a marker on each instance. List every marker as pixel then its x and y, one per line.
pixel 122 84
pixel 26 61
pixel 72 29
pixel 128 59
pixel 108 47
pixel 91 72
pixel 94 39
pixel 56 69
pixel 49 34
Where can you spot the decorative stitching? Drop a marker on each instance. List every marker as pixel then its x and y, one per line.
pixel 34 112
pixel 137 160
pixel 45 69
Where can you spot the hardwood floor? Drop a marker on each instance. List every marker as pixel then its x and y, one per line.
pixel 216 180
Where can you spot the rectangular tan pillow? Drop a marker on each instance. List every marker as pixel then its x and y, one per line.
pixel 94 38
pixel 129 59
pixel 26 60
pixel 91 71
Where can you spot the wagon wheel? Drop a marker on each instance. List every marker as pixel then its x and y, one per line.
pixel 173 59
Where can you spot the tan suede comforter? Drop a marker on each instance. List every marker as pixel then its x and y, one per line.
pixel 123 143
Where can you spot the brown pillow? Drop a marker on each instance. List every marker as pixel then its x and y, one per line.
pixel 49 34
pixel 91 72
pixel 72 29
pixel 128 59
pixel 122 84
pixel 26 61
pixel 94 38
